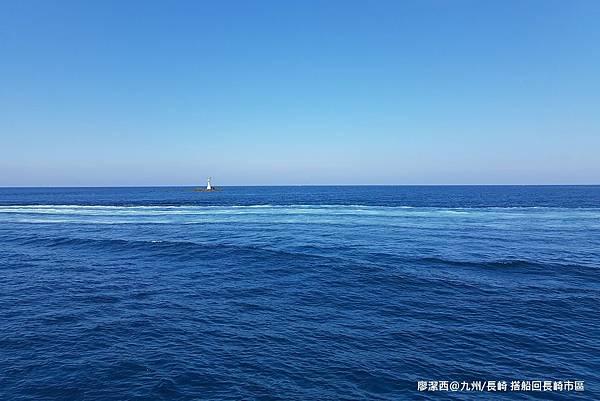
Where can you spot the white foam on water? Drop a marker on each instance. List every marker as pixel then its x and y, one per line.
pixel 197 214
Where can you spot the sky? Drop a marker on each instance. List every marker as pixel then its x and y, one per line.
pixel 253 92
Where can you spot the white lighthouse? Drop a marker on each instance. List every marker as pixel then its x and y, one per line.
pixel 208 187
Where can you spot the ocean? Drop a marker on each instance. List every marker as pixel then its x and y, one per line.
pixel 299 293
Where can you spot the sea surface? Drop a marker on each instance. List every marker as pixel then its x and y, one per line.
pixel 297 293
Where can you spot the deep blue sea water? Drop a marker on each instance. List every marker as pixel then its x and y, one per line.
pixel 297 293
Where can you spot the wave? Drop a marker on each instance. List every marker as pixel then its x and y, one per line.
pixel 158 206
pixel 326 214
pixel 493 264
pixel 49 208
pixel 168 248
pixel 278 205
pixel 216 250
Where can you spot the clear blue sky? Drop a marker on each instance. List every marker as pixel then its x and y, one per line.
pixel 299 92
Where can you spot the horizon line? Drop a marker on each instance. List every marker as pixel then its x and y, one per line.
pixel 300 185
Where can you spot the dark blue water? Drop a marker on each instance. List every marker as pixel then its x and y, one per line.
pixel 297 293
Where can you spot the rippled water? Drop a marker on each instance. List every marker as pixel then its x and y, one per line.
pixel 303 293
